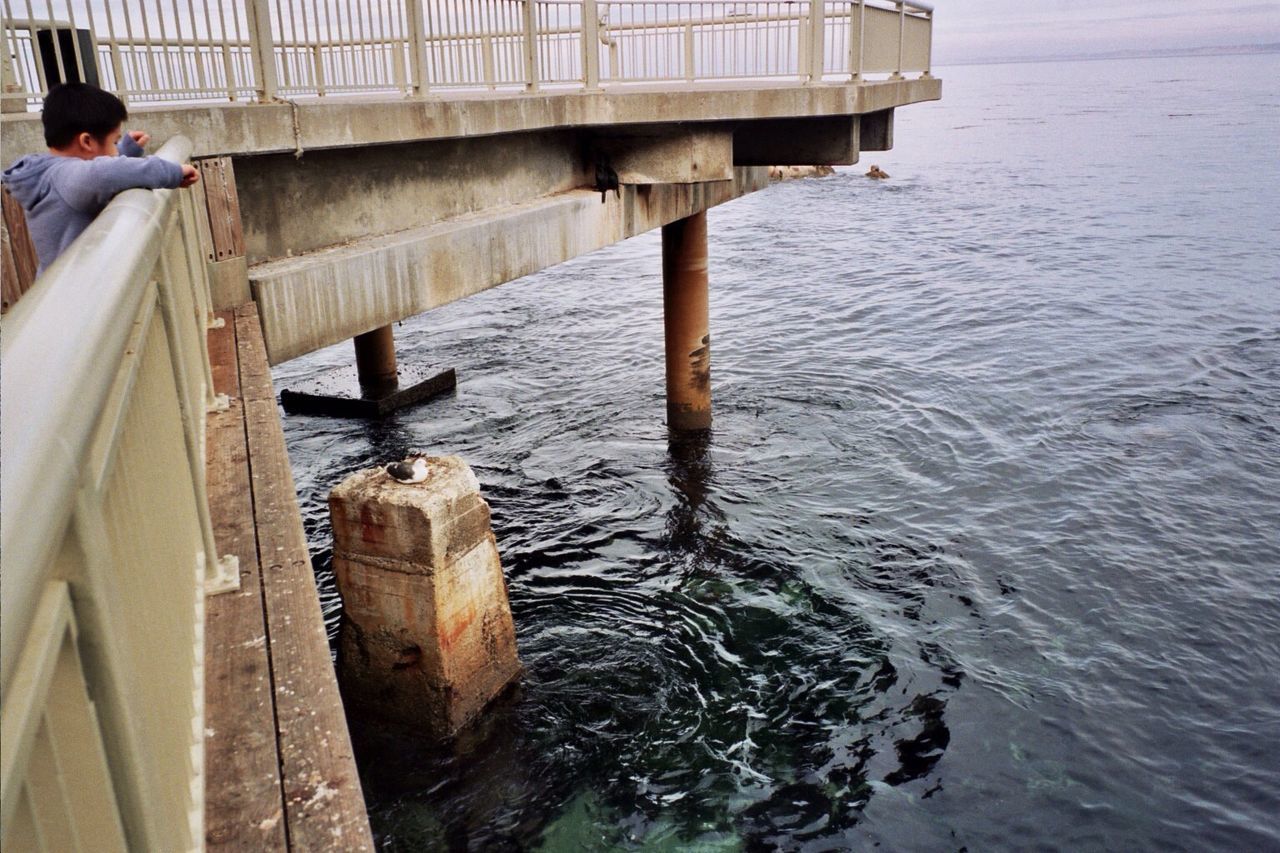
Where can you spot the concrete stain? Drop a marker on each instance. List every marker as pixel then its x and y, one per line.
pixel 452 629
pixel 409 657
pixel 371 529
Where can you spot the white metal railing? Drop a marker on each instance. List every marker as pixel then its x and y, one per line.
pixel 107 544
pixel 211 50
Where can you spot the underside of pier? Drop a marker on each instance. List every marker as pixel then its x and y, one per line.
pixel 340 216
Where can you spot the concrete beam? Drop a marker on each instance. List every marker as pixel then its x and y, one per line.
pixel 340 122
pixel 829 141
pixel 310 302
pixel 292 206
pixel 427 638
pixel 681 154
pixel 876 132
pixel 213 129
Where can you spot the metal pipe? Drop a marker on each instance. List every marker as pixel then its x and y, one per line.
pixel 686 322
pixel 376 361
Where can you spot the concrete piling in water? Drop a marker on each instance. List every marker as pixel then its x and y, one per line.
pixel 686 323
pixel 426 637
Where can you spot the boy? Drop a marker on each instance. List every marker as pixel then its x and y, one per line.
pixel 64 190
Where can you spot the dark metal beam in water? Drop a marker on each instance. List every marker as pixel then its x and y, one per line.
pixel 376 360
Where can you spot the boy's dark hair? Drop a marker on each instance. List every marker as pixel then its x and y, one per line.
pixel 75 108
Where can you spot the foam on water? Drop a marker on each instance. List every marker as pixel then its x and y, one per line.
pixel 982 551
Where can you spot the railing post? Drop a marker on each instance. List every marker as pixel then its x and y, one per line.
pixel 417 48
pixel 229 69
pixel 902 32
pixel 804 35
pixel 590 45
pixel 10 84
pixel 928 51
pixel 317 68
pixel 688 52
pixel 117 71
pixel 286 70
pixel 530 46
pixel 486 61
pixel 398 70
pixel 108 663
pixel 817 39
pixel 262 48
pixel 221 574
pixel 857 28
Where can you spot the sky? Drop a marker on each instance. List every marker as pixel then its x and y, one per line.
pixel 967 30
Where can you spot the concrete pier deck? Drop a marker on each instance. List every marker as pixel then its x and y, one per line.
pixel 281 773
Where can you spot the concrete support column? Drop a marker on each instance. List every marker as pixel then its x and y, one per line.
pixel 686 321
pixel 426 637
pixel 376 360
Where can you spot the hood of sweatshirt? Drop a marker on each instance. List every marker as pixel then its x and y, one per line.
pixel 25 178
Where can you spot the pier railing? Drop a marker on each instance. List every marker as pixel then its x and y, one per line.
pixel 108 549
pixel 216 50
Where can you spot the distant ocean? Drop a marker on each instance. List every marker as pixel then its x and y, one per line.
pixel 984 550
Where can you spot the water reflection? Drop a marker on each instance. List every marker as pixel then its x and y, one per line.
pixel 689 472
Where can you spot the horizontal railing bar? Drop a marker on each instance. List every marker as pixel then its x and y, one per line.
pixel 33 23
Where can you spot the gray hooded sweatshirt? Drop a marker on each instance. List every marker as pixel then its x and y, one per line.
pixel 62 195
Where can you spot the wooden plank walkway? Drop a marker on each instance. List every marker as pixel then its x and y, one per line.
pixel 280 771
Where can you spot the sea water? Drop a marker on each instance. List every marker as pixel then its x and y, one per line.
pixel 983 551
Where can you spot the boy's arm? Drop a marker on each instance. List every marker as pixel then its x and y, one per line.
pixel 88 185
pixel 130 145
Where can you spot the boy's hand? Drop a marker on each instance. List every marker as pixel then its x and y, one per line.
pixel 189 174
pixel 141 137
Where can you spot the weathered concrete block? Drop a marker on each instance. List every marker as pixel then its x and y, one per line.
pixel 427 637
pixel 424 525
pixel 228 283
pixel 876 131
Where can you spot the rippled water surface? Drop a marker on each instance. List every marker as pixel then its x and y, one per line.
pixel 983 549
